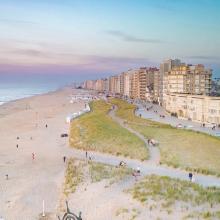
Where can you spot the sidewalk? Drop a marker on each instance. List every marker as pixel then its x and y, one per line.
pixel 173 121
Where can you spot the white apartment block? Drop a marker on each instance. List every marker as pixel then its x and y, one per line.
pixel 199 108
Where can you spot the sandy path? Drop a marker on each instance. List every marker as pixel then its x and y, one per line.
pixel 31 181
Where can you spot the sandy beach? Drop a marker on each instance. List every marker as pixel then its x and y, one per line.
pixel 30 181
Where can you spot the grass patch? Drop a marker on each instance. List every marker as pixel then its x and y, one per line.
pixel 121 211
pixel 73 177
pixel 133 213
pixel 98 132
pixel 169 193
pixel 189 150
pixel 99 172
pixel 203 215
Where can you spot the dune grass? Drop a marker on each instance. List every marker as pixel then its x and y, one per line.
pixel 186 149
pixel 166 193
pixel 73 176
pixel 99 172
pixel 96 131
pixel 173 190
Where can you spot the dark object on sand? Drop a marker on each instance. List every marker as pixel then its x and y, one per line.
pixel 64 135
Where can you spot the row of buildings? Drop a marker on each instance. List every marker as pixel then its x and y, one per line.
pixel 180 88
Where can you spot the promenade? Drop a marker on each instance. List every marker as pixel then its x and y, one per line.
pixel 156 110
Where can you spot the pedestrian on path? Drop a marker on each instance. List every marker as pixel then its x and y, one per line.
pixel 33 156
pixel 190 177
pixel 86 154
pixel 17 145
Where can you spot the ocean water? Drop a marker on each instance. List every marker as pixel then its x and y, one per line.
pixel 13 87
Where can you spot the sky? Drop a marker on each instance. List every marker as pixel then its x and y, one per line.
pixel 101 37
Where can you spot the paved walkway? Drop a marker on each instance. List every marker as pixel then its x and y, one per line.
pixel 148 167
pixel 156 110
pixel 153 151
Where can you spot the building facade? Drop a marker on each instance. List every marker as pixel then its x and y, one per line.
pixel 199 108
pixel 189 79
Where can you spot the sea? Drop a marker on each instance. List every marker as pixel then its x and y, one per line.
pixel 17 86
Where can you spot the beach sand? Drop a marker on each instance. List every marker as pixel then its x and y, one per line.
pixel 32 181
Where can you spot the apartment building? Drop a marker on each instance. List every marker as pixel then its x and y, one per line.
pixel 189 79
pixel 160 82
pixel 125 84
pixel 89 84
pixel 99 85
pixel 199 108
pixel 142 83
pixel 114 84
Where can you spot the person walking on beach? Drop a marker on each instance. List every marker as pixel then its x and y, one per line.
pixel 46 125
pixel 64 159
pixel 86 154
pixel 17 145
pixel 33 156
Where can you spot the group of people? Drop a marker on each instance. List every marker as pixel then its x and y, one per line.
pixel 213 127
pixel 33 155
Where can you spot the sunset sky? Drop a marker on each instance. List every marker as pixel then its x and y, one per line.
pixel 106 36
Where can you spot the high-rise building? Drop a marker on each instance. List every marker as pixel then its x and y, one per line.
pixel 114 84
pixel 142 83
pixel 89 84
pixel 165 67
pixel 189 79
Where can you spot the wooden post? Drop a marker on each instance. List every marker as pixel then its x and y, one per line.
pixel 43 213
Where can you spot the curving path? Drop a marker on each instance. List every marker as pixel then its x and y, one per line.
pixel 154 153
pixel 147 167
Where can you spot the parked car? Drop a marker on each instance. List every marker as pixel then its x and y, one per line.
pixel 179 126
